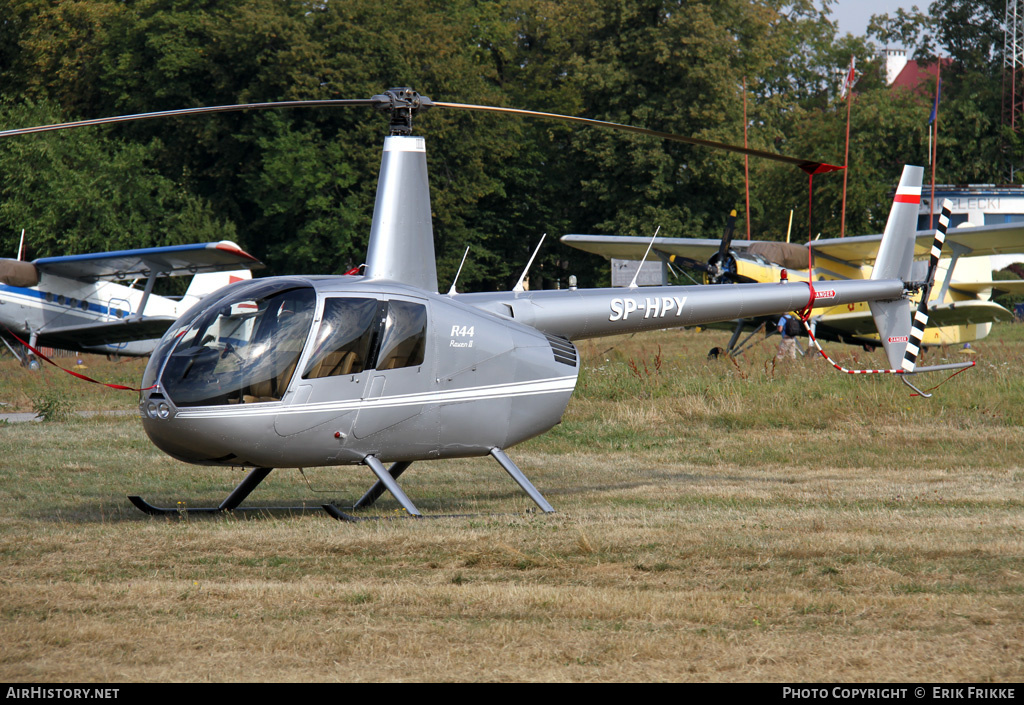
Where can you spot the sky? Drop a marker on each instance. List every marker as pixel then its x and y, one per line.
pixel 853 15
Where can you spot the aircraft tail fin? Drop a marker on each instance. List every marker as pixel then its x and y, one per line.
pixel 901 334
pixel 207 282
pixel 894 261
pixel 896 251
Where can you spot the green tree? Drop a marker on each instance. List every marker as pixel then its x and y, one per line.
pixel 79 191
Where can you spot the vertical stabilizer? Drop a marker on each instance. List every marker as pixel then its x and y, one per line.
pixel 896 253
pixel 401 237
pixel 895 258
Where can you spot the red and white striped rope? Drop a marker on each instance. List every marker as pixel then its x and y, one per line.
pixel 80 376
pixel 836 365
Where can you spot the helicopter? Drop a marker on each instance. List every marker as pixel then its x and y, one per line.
pixel 381 369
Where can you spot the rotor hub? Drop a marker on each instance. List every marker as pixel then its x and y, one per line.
pixel 401 104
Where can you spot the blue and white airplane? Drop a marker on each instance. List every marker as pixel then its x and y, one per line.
pixel 74 302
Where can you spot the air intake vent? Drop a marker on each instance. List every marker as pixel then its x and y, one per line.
pixel 565 352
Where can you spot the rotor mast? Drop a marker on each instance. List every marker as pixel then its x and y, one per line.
pixel 401 246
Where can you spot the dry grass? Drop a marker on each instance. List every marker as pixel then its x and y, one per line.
pixel 715 522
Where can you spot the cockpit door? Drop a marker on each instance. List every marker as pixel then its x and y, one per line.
pixel 366 370
pixel 335 373
pixel 403 373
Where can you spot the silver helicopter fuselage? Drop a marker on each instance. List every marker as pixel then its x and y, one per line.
pixel 308 371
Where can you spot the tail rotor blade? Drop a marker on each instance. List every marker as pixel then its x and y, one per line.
pixel 921 316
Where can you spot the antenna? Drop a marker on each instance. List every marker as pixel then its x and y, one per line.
pixel 519 285
pixel 21 246
pixel 452 292
pixel 633 284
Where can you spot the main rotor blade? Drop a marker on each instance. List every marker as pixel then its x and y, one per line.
pixel 811 167
pixel 189 111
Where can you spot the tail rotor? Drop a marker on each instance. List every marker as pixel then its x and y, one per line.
pixel 921 316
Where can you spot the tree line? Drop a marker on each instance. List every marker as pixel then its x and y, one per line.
pixel 296 187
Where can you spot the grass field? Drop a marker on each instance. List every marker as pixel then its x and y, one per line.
pixel 715 521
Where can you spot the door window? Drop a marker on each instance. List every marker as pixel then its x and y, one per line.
pixel 360 334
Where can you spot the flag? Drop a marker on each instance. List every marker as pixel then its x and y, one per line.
pixel 935 106
pixel 849 79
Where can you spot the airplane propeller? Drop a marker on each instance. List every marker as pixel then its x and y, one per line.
pixel 721 266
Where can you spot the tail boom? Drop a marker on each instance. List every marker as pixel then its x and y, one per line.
pixel 591 313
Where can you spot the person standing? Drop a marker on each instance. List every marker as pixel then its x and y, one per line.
pixel 789 329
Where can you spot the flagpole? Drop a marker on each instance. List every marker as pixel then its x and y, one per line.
pixel 746 157
pixel 846 163
pixel 935 142
pixel 846 90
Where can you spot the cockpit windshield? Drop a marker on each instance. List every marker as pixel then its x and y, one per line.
pixel 242 350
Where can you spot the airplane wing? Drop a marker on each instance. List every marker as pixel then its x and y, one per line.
pixel 111 333
pixel 970 241
pixel 956 313
pixel 959 313
pixel 633 248
pixel 171 261
pixel 1010 286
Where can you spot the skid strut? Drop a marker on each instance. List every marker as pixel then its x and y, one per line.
pixel 374 493
pixel 517 475
pixel 386 480
pixel 230 504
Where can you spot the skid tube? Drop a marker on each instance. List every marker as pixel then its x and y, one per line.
pixel 230 503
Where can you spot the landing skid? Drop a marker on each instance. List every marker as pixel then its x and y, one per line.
pixel 337 513
pixel 153 510
pixel 386 481
pixel 230 504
